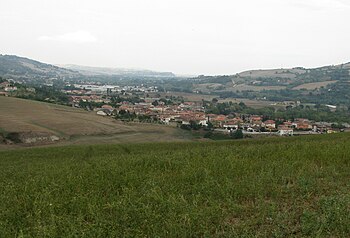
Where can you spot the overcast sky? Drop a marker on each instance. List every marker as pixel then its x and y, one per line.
pixel 183 36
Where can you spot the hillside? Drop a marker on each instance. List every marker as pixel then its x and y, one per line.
pixel 87 70
pixel 293 187
pixel 292 72
pixel 35 121
pixel 275 79
pixel 323 85
pixel 24 69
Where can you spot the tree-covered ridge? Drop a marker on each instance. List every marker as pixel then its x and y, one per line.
pixel 283 77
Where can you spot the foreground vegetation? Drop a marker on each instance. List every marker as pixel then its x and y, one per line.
pixel 264 188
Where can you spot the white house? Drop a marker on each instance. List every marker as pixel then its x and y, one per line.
pixel 165 120
pixel 203 122
pixel 285 131
pixel 270 124
pixel 10 89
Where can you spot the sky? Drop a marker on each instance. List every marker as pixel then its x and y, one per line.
pixel 211 37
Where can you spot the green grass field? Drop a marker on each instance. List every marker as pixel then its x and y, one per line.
pixel 258 188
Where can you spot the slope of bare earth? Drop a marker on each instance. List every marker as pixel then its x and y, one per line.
pixel 76 126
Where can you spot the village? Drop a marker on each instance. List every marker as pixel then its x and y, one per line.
pixel 142 103
pixel 190 114
pixel 186 114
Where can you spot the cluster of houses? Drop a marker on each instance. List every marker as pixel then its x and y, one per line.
pixel 257 124
pixel 6 87
pixel 75 100
pixel 189 113
pixel 102 93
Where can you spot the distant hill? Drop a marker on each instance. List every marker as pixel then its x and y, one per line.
pixel 274 79
pixel 28 70
pixel 293 72
pixel 25 69
pixel 88 70
pixel 32 71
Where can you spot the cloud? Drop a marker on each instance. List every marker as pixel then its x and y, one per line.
pixel 74 37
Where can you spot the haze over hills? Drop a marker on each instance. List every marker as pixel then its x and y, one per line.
pixel 24 69
pixel 89 70
pixel 327 84
pixel 12 66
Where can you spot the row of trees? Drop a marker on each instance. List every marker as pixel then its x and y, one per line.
pixel 42 93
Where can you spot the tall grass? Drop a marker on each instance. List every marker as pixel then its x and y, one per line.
pixel 257 188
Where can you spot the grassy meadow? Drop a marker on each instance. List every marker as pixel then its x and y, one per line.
pixel 291 187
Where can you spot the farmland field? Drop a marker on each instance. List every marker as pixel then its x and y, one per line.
pixel 282 73
pixel 27 115
pixel 311 86
pixel 76 125
pixel 250 102
pixel 234 88
pixel 195 97
pixel 244 87
pixel 259 188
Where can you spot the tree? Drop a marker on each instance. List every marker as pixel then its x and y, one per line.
pixel 210 125
pixel 242 105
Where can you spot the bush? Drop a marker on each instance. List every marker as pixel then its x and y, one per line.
pixel 185 127
pixel 14 136
pixel 238 134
